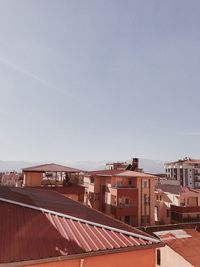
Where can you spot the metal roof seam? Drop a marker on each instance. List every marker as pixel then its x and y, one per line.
pixel 153 240
pixel 88 236
pixel 110 236
pixel 81 236
pixel 93 232
pixel 119 239
pixel 103 237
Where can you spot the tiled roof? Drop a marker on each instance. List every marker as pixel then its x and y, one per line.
pixel 30 231
pixel 52 167
pixel 120 173
pixel 173 189
pixel 177 189
pixel 135 174
pixel 105 172
pixel 185 161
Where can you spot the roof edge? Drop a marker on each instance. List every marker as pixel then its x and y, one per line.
pixel 81 256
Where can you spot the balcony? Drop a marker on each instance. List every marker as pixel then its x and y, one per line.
pixel 131 192
pixel 184 209
pixel 124 210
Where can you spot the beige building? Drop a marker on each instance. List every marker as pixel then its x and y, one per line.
pixel 175 203
pixel 186 172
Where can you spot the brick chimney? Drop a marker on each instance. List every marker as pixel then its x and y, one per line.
pixel 135 164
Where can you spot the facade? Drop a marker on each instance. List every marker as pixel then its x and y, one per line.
pixel 62 179
pixel 125 195
pixel 175 203
pixel 186 171
pixel 42 228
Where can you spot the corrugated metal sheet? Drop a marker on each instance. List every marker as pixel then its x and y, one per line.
pixel 56 202
pixel 27 234
pixel 30 234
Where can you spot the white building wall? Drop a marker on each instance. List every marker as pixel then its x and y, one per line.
pixel 169 258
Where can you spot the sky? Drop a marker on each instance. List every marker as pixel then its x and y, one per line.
pixel 99 80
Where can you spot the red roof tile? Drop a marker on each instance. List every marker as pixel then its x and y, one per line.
pixel 32 233
pixel 119 173
pixel 52 167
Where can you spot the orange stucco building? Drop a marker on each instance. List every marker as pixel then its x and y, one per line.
pixel 125 195
pixel 55 177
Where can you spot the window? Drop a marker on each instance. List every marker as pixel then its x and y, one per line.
pixel 145 184
pixel 126 201
pixel 91 180
pixel 129 182
pixel 158 257
pixel 168 213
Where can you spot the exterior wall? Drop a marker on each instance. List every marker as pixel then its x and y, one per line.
pixel 183 202
pixel 32 178
pixel 163 208
pixel 139 258
pixel 122 198
pixel 170 258
pixel 146 201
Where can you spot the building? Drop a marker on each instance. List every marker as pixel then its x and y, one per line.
pixel 11 179
pixel 186 171
pixel 62 179
pixel 182 248
pixel 125 195
pixel 175 203
pixel 43 228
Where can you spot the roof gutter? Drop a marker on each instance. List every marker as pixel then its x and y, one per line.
pixel 150 239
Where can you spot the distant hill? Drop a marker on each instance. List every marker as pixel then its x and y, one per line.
pixel 148 165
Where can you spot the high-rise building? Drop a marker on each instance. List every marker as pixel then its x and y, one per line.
pixel 186 171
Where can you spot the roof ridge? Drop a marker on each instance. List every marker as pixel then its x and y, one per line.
pixel 151 239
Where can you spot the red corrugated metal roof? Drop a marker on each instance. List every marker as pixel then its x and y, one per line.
pixel 56 202
pixel 52 167
pixel 28 233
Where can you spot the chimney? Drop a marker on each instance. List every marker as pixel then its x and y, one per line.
pixel 135 164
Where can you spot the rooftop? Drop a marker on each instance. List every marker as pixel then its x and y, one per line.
pixel 39 224
pixel 185 242
pixel 52 167
pixel 120 173
pixel 177 189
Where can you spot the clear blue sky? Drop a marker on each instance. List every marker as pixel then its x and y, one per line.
pixel 95 80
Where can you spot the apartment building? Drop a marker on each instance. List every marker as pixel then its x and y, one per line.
pixel 186 171
pixel 176 204
pixel 125 195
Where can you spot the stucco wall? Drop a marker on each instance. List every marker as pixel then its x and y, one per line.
pixel 138 258
pixel 170 258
